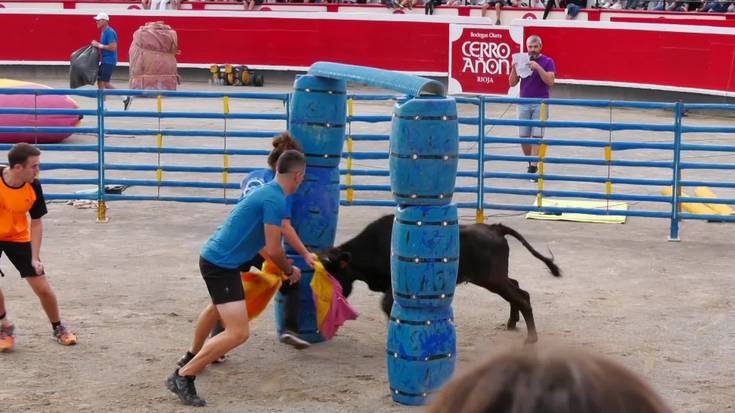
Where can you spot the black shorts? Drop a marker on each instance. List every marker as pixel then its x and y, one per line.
pixel 225 285
pixel 105 72
pixel 19 254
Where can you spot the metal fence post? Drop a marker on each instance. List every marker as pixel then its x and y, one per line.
pixel 101 206
pixel 480 213
pixel 674 226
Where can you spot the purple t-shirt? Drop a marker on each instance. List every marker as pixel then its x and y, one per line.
pixel 533 86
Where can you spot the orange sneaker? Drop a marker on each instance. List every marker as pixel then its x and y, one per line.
pixel 64 337
pixel 7 337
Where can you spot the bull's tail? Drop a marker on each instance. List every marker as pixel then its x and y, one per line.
pixel 548 261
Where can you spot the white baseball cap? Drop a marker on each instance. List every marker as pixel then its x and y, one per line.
pixel 102 16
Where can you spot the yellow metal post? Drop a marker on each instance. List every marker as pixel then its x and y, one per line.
pixel 102 212
pixel 480 216
pixel 541 155
pixel 348 177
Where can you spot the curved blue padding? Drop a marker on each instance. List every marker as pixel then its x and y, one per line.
pixel 421 352
pixel 317 118
pixel 424 148
pixel 400 82
pixel 307 311
pixel 425 248
pixel 316 208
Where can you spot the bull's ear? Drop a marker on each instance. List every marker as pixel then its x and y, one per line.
pixel 344 259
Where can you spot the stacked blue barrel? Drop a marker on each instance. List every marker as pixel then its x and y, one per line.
pixel 421 345
pixel 317 121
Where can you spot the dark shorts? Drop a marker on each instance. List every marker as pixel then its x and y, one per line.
pixel 19 254
pixel 225 285
pixel 105 72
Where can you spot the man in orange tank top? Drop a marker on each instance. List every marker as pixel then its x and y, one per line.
pixel 21 195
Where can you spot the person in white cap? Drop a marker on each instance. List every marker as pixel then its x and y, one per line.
pixel 108 52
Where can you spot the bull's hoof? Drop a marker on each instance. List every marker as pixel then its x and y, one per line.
pixel 532 339
pixel 511 325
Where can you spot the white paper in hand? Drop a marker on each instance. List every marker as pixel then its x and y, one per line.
pixel 520 61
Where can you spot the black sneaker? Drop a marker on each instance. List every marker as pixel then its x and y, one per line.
pixel 127 101
pixel 185 359
pixel 183 386
pixel 221 359
pixel 293 340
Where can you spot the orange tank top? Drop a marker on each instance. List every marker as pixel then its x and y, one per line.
pixel 15 203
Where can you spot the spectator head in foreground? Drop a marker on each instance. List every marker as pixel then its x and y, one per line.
pixel 534 380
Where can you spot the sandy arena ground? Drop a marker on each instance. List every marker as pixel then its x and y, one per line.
pixel 131 290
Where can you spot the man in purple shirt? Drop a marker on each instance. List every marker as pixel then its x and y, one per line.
pixel 536 85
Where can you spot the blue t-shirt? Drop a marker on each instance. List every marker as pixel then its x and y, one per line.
pixel 242 234
pixel 257 179
pixel 109 36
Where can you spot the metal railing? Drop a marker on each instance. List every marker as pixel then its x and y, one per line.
pixel 175 158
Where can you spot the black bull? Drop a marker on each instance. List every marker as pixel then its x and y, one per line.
pixel 483 261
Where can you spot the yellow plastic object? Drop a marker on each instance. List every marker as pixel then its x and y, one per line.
pixel 577 217
pixel 214 70
pixel 691 207
pixel 226 103
pixel 260 287
pixel 608 154
pixel 704 192
pixel 480 216
pixel 323 291
pixel 230 74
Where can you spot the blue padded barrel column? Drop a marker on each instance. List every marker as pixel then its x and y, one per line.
pixel 420 351
pixel 421 344
pixel 316 208
pixel 423 151
pixel 424 273
pixel 318 111
pixel 317 121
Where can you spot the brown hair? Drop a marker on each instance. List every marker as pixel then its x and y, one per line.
pixel 20 152
pixel 282 143
pixel 542 381
pixel 290 161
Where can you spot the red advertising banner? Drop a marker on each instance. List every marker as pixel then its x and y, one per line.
pixel 480 59
pixel 260 40
pixel 685 58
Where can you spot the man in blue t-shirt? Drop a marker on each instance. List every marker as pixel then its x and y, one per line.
pixel 108 53
pixel 253 227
